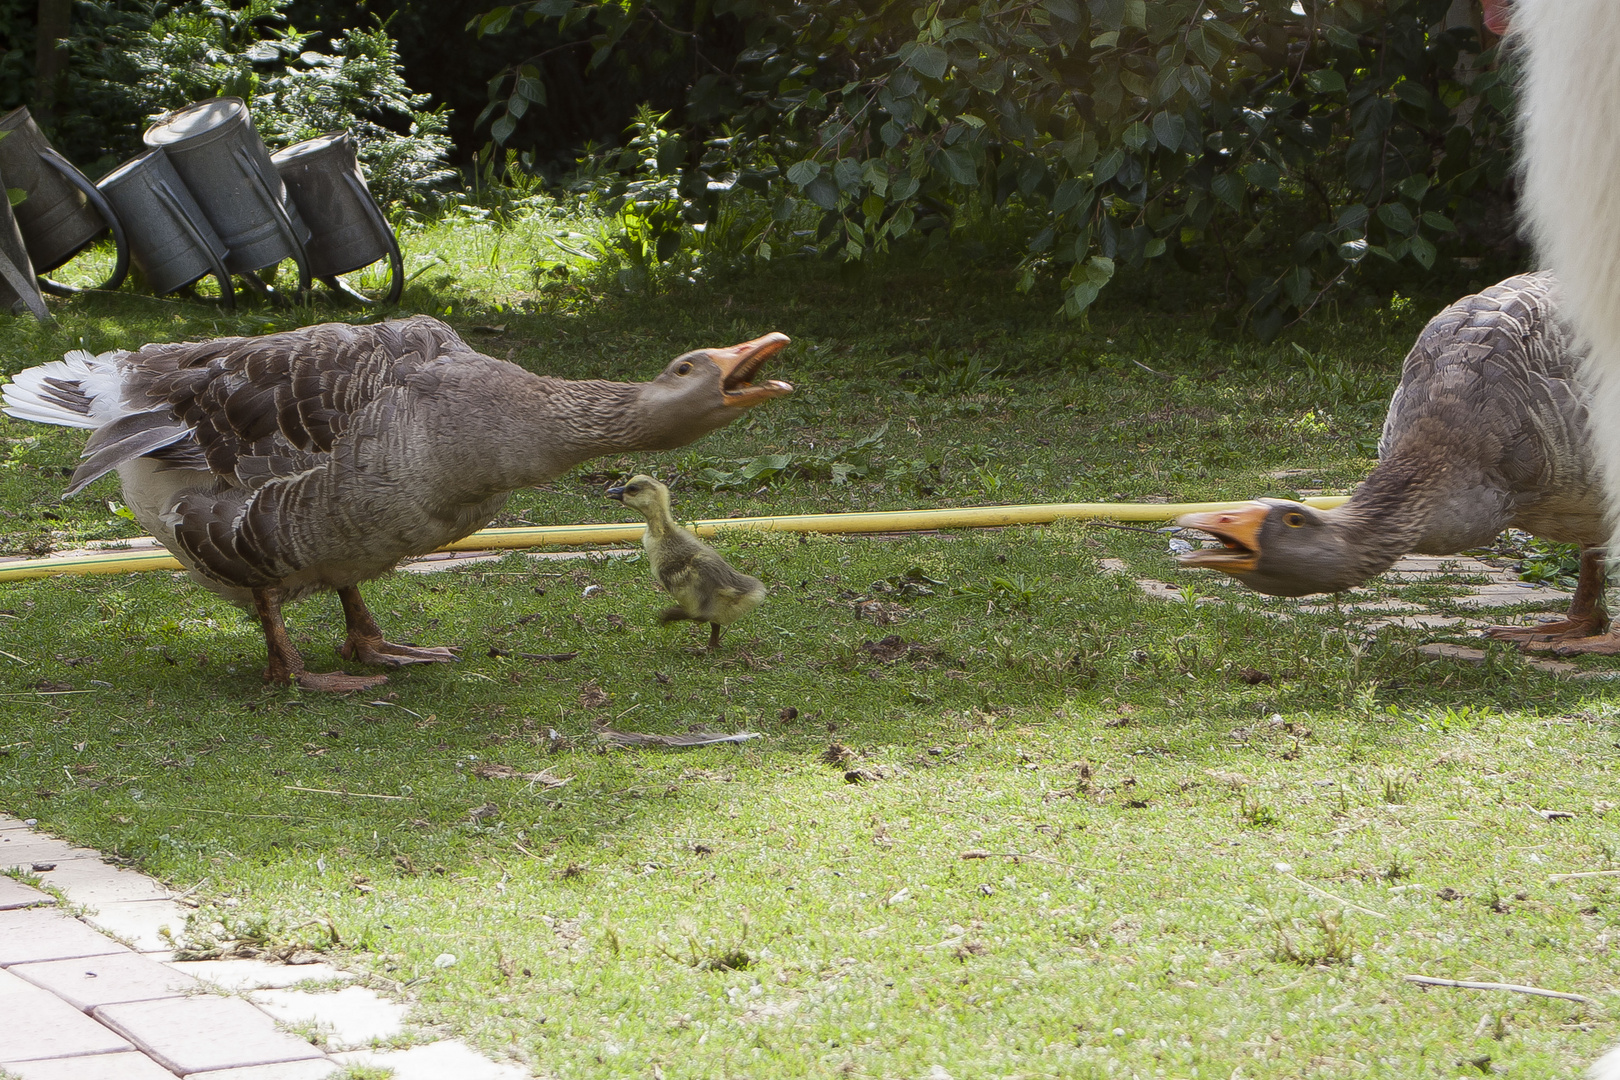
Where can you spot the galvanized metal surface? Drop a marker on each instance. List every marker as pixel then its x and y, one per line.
pixel 63 212
pixel 224 163
pixel 349 231
pixel 170 238
pixel 19 288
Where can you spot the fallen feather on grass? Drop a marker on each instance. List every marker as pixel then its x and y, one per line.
pixel 1584 874
pixel 1517 988
pixel 355 794
pixel 538 658
pixel 696 738
pixel 494 771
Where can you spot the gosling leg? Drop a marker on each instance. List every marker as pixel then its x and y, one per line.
pixel 714 636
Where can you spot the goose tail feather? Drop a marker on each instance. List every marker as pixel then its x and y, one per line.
pixel 1570 157
pixel 80 390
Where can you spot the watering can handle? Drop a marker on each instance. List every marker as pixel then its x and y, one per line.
pixel 223 276
pixel 396 261
pixel 99 201
pixel 300 256
pixel 24 288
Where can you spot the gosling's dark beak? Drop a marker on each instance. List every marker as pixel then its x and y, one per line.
pixel 615 493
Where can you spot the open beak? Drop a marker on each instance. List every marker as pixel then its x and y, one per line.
pixel 1496 16
pixel 738 365
pixel 1237 530
pixel 615 493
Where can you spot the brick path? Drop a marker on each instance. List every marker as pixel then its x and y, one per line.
pixel 100 997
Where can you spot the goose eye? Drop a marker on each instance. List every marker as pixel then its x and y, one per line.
pixel 684 369
pixel 1295 520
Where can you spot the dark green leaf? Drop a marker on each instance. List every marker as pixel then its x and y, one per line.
pixel 928 60
pixel 1262 174
pixel 1397 217
pixel 803 172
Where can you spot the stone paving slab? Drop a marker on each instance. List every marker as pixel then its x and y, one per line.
pixel 92 882
pixel 140 922
pixel 238 975
pixel 107 980
pixel 436 1061
pixel 200 1034
pixel 1504 594
pixel 24 848
pixel 14 894
pixel 129 1065
pixel 33 934
pixel 38 1024
pixel 314 1069
pixel 349 1018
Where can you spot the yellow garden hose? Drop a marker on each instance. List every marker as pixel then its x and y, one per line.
pixel 968 517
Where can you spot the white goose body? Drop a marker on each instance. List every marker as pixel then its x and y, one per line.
pixel 319 458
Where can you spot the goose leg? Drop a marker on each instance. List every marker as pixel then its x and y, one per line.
pixel 1586 619
pixel 714 636
pixel 365 641
pixel 286 665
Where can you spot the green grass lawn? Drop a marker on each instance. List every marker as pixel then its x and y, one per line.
pixel 1020 821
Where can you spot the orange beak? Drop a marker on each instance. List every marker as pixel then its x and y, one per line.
pixel 1496 16
pixel 738 365
pixel 1237 530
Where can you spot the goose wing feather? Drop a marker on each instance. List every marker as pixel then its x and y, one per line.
pixel 253 410
pixel 1491 389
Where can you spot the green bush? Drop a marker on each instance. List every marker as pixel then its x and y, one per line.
pixel 134 60
pixel 1274 143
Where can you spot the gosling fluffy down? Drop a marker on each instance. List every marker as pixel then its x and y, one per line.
pixel 704 586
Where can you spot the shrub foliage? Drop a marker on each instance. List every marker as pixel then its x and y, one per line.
pixel 133 60
pixel 1277 143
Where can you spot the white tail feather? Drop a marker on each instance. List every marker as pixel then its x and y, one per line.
pixel 29 397
pixel 1571 162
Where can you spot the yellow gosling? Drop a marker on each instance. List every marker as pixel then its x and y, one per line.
pixel 704 586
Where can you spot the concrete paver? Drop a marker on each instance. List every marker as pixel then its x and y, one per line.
pixel 189 1035
pixel 349 1018
pixel 129 1065
pixel 436 1061
pixel 28 935
pixel 94 882
pixel 22 848
pixel 14 894
pixel 314 1069
pixel 106 980
pixel 140 922
pixel 38 1024
pixel 238 975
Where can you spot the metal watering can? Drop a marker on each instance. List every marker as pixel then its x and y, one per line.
pixel 219 156
pixel 19 288
pixel 63 212
pixel 324 179
pixel 169 236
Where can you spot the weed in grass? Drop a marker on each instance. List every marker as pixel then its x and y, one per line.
pixel 1256 813
pixel 1329 941
pixel 364 1072
pixel 712 955
pixel 1398 867
pixel 1397 788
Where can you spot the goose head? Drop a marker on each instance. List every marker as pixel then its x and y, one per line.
pixel 641 492
pixel 707 389
pixel 1277 547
